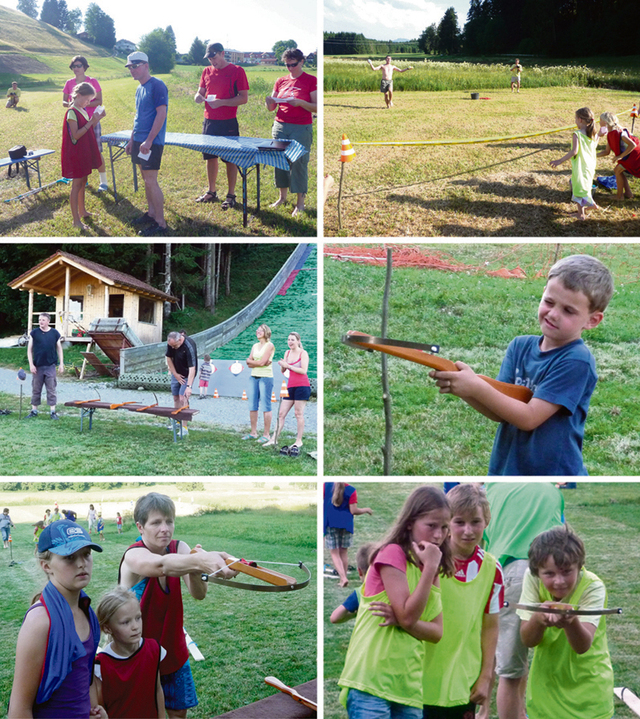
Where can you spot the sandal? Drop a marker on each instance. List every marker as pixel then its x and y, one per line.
pixel 229 202
pixel 209 196
pixel 284 451
pixel 294 450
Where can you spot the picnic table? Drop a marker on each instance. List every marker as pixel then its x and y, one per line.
pixel 30 161
pixel 247 153
pixel 278 705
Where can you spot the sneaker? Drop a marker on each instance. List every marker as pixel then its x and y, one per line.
pixel 103 187
pixel 153 231
pixel 33 413
pixel 143 220
pixel 54 415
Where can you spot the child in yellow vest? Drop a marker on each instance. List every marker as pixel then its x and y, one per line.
pixel 382 674
pixel 571 674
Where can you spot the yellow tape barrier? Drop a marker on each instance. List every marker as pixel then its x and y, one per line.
pixel 474 142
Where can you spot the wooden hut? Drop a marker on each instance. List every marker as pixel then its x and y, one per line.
pixel 85 291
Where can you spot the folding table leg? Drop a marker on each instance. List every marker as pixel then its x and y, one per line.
pixel 258 185
pixel 244 196
pixel 25 166
pixel 113 173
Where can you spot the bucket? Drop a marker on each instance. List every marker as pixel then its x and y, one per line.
pixel 475 95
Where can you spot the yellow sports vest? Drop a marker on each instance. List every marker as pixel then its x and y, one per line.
pixel 569 685
pixel 387 661
pixel 453 667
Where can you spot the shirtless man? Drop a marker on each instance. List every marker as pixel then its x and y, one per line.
pixel 386 84
pixel 516 70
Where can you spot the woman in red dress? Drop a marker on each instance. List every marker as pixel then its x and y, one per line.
pixel 626 150
pixel 80 153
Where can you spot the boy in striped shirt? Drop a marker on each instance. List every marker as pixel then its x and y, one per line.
pixel 205 376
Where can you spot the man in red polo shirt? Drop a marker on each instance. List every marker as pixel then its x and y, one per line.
pixel 223 88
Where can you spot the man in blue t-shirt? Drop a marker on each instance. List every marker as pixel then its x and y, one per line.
pixel 44 351
pixel 544 436
pixel 147 140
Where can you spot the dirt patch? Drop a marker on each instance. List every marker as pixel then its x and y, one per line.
pixel 21 64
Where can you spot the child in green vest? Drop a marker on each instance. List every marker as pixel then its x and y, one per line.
pixel 382 675
pixel 571 674
pixel 459 671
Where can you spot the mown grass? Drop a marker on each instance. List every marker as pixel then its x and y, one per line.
pixel 607 518
pixel 244 637
pixel 473 317
pixel 493 189
pixel 122 444
pixel 429 75
pixel 38 124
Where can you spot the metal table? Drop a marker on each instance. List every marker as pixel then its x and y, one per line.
pixel 28 162
pixel 245 152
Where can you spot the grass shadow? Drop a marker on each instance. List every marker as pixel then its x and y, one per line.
pixel 353 107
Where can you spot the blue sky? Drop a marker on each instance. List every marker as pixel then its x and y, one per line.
pixel 389 19
pixel 248 25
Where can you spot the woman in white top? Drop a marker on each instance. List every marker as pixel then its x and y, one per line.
pixel 259 360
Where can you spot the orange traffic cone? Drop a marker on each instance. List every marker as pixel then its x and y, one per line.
pixel 215 394
pixel 244 395
pixel 284 392
pixel 273 397
pixel 347 153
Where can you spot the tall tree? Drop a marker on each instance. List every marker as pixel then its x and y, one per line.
pixel 428 41
pixel 195 56
pixel 171 37
pixel 100 26
pixel 49 13
pixel 160 50
pixel 280 46
pixel 449 33
pixel 63 14
pixel 74 21
pixel 167 278
pixel 28 7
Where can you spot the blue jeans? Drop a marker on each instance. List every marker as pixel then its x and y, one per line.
pixel 361 705
pixel 261 389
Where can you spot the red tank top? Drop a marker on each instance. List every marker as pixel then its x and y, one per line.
pixel 129 684
pixel 162 616
pixel 295 378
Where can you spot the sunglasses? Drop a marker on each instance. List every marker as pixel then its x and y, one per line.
pixel 136 64
pixel 293 64
pixel 77 65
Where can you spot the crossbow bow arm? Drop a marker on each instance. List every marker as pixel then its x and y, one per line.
pixel 422 354
pixel 277 684
pixel 568 610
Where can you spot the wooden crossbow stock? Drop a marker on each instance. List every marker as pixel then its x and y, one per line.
pixel 281 686
pixel 277 581
pixel 423 354
pixel 567 609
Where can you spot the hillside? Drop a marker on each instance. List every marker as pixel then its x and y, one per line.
pixel 21 35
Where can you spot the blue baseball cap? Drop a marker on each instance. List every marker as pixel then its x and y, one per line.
pixel 64 538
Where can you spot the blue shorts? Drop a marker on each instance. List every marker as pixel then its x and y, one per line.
pixel 261 390
pixel 361 705
pixel 5 534
pixel 179 689
pixel 299 393
pixel 177 389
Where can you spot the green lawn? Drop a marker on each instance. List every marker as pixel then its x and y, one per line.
pixel 494 189
pixel 38 124
pixel 244 636
pixel 607 518
pixel 473 317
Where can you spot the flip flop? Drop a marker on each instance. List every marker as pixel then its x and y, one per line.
pixel 262 440
pixel 284 451
pixel 294 450
pixel 249 436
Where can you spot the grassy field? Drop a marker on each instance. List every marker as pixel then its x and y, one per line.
pixel 473 317
pixel 605 516
pixel 493 189
pixel 243 636
pixel 38 124
pixel 139 446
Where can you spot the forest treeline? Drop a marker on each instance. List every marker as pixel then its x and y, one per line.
pixel 555 28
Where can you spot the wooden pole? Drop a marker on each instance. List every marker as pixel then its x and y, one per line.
pixel 387 449
pixel 340 196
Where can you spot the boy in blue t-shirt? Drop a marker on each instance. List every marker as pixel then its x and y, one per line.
pixel 544 436
pixel 349 608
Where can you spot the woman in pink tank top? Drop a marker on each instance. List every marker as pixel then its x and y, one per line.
pixel 296 360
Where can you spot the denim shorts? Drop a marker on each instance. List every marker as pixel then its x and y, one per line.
pixel 261 390
pixel 361 705
pixel 177 389
pixel 179 689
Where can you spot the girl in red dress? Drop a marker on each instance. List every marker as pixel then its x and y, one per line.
pixel 80 153
pixel 626 150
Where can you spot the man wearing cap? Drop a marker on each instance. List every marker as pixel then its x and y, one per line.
pixel 59 637
pixel 147 140
pixel 223 88
pixel 43 351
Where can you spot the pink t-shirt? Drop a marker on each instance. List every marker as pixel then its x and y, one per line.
pixel 70 84
pixel 392 555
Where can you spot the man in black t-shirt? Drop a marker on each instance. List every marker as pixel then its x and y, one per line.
pixel 182 360
pixel 44 351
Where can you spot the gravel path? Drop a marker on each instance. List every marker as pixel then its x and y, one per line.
pixel 227 412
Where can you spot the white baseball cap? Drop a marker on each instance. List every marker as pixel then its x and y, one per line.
pixel 136 57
